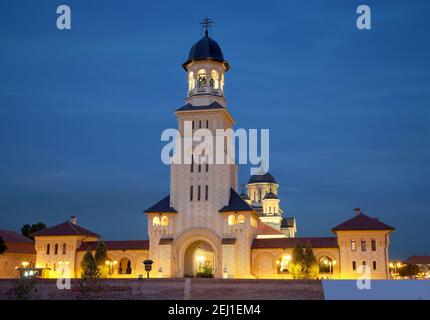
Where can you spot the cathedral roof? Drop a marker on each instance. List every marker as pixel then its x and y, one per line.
pixel 190 107
pixel 236 203
pixel 162 206
pixel 65 229
pixel 270 195
pixel 262 178
pixel 362 222
pixel 117 245
pixel 206 49
pixel 320 242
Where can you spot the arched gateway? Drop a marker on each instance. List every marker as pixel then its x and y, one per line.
pixel 198 253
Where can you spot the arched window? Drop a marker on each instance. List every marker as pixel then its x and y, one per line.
pixel 156 221
pixel 363 245
pixel 164 221
pixel 326 265
pixel 56 249
pixel 241 219
pixel 214 81
pixel 353 245
pixel 231 220
pixel 64 249
pixel 373 245
pixel 191 82
pixel 202 81
pixel 222 82
pixel 48 248
pixel 124 266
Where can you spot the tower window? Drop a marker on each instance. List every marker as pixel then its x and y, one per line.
pixel 207 124
pixel 200 167
pixel 241 219
pixel 193 124
pixel 64 248
pixel 198 193
pixel 156 221
pixel 374 265
pixel 231 220
pixel 191 82
pixel 207 167
pixel 164 221
pixel 48 249
pixel 56 249
pixel 364 263
pixel 354 265
pixel 373 245
pixel 206 192
pixel 214 81
pixel 363 245
pixel 192 163
pixel 200 124
pixel 191 193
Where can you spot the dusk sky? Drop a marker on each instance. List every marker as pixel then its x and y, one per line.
pixel 82 110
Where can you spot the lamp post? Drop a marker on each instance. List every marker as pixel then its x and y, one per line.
pixel 148 266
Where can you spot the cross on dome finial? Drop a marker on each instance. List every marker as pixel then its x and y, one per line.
pixel 206 23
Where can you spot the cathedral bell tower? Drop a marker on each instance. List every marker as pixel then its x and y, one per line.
pixel 205 68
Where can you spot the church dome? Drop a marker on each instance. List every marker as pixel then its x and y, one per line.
pixel 206 49
pixel 262 178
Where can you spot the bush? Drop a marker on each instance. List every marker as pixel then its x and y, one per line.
pixel 205 271
pixel 23 286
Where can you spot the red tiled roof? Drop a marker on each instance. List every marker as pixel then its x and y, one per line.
pixel 418 260
pixel 16 243
pixel 265 229
pixel 12 236
pixel 118 245
pixel 321 242
pixel 362 222
pixel 21 248
pixel 65 229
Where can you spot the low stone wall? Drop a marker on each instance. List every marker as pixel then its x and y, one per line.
pixel 177 289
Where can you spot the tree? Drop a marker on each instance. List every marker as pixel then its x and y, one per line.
pixel 304 263
pixel 27 230
pixel 90 284
pixel 2 246
pixel 310 263
pixel 296 266
pixel 409 270
pixel 101 258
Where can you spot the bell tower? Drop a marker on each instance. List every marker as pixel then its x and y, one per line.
pixel 205 68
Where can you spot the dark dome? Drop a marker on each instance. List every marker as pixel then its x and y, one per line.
pixel 206 49
pixel 270 195
pixel 262 178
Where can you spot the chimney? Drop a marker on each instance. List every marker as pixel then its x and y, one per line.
pixel 74 220
pixel 357 211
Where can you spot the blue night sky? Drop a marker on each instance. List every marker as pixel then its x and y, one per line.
pixel 81 111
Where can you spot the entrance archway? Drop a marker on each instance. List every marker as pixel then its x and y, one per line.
pixel 190 246
pixel 199 260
